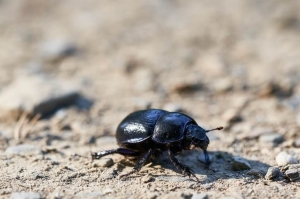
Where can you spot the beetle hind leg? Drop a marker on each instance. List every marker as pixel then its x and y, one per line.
pixel 138 167
pixel 187 171
pixel 121 151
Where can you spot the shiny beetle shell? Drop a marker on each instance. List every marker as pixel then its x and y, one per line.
pixel 138 126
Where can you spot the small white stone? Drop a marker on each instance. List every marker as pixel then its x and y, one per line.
pixel 283 159
pixel 200 196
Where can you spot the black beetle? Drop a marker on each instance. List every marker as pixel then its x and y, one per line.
pixel 149 132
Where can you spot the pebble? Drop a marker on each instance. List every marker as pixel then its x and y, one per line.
pixel 147 178
pixel 52 94
pixel 283 159
pixel 240 163
pixel 104 162
pixel 24 149
pixel 55 50
pixel 200 196
pixel 25 195
pixel 273 138
pixel 272 173
pixel 292 174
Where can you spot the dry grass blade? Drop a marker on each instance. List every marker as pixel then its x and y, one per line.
pixel 29 125
pixel 19 126
pixel 24 126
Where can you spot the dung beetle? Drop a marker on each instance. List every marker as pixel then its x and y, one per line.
pixel 147 133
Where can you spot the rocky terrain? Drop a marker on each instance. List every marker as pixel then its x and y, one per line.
pixel 72 70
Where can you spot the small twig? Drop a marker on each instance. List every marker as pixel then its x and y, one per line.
pixel 28 128
pixel 24 126
pixel 19 126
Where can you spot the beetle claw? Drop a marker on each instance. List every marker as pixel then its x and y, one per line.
pixel 190 173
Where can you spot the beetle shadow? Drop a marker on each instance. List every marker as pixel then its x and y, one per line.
pixel 220 168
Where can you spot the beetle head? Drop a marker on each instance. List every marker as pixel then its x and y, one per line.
pixel 197 136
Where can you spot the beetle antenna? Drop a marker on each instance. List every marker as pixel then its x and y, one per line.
pixel 219 128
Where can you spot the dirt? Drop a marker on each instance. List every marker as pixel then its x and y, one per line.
pixel 225 63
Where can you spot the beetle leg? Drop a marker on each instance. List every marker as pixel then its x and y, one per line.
pixel 121 151
pixel 183 168
pixel 138 167
pixel 207 161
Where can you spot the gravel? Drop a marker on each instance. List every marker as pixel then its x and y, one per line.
pixel 240 163
pixel 225 64
pixel 284 159
pixel 292 174
pixel 273 172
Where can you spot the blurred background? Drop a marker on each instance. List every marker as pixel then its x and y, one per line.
pixel 70 71
pixel 204 57
pixel 220 62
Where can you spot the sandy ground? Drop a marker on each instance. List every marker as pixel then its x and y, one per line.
pixel 225 63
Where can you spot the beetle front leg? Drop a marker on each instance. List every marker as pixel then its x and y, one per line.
pixel 138 167
pixel 207 160
pixel 183 168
